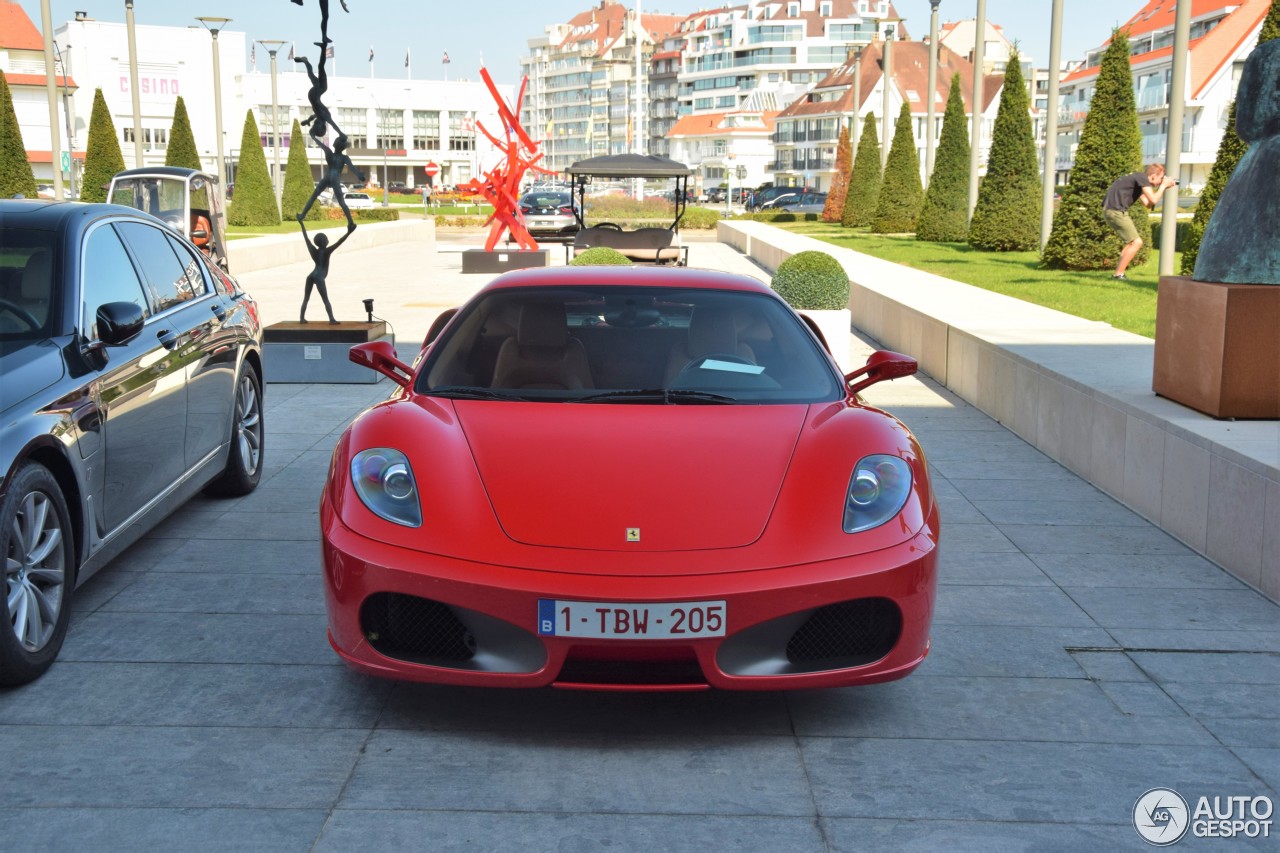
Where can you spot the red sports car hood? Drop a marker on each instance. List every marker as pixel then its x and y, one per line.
pixel 632 477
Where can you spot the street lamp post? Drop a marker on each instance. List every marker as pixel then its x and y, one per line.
pixel 975 132
pixel 887 75
pixel 51 90
pixel 273 45
pixel 133 85
pixel 857 94
pixel 66 112
pixel 213 25
pixel 933 88
pixel 382 140
pixel 1051 124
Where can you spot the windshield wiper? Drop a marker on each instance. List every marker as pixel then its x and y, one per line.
pixel 468 392
pixel 667 396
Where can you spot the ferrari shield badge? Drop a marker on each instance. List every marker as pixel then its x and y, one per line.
pixel 633 534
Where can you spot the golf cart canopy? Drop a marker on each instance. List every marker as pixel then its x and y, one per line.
pixel 629 166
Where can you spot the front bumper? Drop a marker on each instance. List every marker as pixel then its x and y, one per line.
pixel 482 620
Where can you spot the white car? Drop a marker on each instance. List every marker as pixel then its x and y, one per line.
pixel 356 201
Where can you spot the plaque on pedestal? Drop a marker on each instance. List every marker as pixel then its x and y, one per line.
pixel 1217 348
pixel 317 352
pixel 497 261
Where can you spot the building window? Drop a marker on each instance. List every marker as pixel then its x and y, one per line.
pixel 354 122
pixel 426 130
pixel 462 131
pixel 153 138
pixel 793 10
pixel 824 9
pixel 391 130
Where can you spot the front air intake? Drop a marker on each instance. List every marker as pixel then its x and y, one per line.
pixel 851 633
pixel 415 629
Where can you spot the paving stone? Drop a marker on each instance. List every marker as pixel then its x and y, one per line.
pixel 1035 539
pixel 1109 666
pixel 246 556
pixel 1003 568
pixel 1134 570
pixel 194 830
pixel 1009 650
pixel 929 836
pixel 1158 608
pixel 1030 606
pixel 1211 668
pixel 216 592
pixel 1226 700
pixel 979 538
pixel 1098 511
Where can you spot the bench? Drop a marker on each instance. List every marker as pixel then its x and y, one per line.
pixel 651 245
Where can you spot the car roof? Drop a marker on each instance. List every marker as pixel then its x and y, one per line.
pixel 633 276
pixel 50 214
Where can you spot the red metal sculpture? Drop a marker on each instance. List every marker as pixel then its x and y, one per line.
pixel 500 185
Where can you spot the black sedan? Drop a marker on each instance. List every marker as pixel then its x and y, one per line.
pixel 132 379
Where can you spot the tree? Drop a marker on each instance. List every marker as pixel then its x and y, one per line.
pixel 254 202
pixel 1110 147
pixel 864 180
pixel 102 157
pixel 15 169
pixel 298 183
pixel 1230 150
pixel 1007 216
pixel 182 149
pixel 901 193
pixel 945 215
pixel 833 211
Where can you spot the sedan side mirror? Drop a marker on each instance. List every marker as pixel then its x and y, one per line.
pixel 381 356
pixel 119 322
pixel 881 365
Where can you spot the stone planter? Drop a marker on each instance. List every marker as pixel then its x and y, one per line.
pixel 836 327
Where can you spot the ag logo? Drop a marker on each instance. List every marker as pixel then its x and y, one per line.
pixel 1161 817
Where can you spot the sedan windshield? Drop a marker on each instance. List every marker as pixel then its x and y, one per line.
pixel 629 345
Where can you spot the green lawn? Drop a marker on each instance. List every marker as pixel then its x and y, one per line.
pixel 1127 305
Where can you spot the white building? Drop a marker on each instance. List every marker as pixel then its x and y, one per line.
pixel 404 124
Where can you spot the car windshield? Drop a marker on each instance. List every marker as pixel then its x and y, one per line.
pixel 629 344
pixel 556 200
pixel 27 290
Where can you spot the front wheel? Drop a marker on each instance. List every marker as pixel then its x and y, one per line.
pixel 244 461
pixel 39 570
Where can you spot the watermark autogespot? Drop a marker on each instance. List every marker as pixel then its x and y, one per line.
pixel 1163 817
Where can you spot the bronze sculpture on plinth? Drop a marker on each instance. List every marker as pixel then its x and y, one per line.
pixel 320 252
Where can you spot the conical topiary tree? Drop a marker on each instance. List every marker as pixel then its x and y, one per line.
pixel 254 201
pixel 298 183
pixel 16 177
pixel 1007 216
pixel 1230 150
pixel 902 193
pixel 945 215
pixel 1110 147
pixel 833 210
pixel 864 180
pixel 182 149
pixel 102 157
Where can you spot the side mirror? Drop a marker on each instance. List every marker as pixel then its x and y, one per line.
pixel 119 322
pixel 881 365
pixel 381 356
pixel 437 326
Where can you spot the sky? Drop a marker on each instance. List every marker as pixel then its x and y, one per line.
pixel 495 33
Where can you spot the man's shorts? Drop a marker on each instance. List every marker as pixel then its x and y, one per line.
pixel 1121 223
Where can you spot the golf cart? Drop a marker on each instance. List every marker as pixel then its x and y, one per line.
pixel 188 200
pixel 649 245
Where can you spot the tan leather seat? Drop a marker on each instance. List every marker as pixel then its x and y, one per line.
pixel 712 330
pixel 542 354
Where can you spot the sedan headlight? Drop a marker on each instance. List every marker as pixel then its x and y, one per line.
pixel 878 490
pixel 384 481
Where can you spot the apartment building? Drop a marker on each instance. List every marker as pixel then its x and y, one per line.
pixel 1222 34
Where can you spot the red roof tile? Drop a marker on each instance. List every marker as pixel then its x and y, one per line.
pixel 708 124
pixel 16 30
pixel 37 80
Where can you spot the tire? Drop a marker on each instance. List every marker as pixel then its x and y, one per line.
pixel 38 548
pixel 244 459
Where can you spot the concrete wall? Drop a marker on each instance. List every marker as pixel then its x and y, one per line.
pixel 1077 390
pixel 249 254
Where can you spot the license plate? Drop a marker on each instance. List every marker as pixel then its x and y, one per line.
pixel 671 620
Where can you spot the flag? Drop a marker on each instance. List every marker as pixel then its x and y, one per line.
pixel 371 53
pixel 253 55
pixel 328 52
pixel 290 52
pixel 406 57
pixel 445 61
pixel 549 123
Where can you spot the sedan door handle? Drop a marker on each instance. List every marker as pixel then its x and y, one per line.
pixel 167 338
pixel 218 311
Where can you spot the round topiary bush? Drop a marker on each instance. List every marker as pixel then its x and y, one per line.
pixel 812 281
pixel 601 256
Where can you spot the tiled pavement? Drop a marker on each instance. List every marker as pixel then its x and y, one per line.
pixel 1081 657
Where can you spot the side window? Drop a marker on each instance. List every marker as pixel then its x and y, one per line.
pixel 164 274
pixel 108 276
pixel 193 280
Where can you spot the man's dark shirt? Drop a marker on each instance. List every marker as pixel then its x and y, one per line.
pixel 1125 191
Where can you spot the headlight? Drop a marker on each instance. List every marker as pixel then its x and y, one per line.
pixel 384 482
pixel 877 492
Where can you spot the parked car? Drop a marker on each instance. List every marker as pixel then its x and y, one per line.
pixel 132 380
pixel 807 202
pixel 358 200
pixel 397 187
pixel 629 478
pixel 548 215
pixel 769 193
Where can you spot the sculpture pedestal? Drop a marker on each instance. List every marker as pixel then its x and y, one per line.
pixel 498 261
pixel 1218 347
pixel 317 351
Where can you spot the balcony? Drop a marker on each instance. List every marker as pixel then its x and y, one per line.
pixel 1153 98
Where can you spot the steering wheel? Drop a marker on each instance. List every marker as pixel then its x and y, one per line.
pixel 610 225
pixel 21 313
